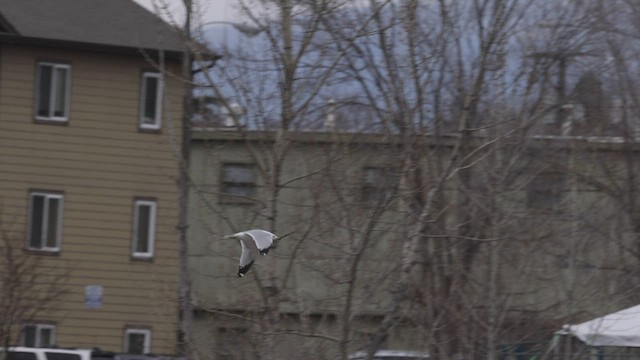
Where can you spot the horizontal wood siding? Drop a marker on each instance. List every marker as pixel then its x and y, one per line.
pixel 101 163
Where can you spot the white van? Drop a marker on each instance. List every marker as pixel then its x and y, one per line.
pixel 31 353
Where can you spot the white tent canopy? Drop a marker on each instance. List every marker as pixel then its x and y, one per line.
pixel 621 328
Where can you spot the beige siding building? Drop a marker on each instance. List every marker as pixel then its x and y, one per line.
pixel 89 129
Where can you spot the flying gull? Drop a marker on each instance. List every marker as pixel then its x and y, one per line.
pixel 252 242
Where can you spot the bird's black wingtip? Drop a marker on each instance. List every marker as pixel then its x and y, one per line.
pixel 242 270
pixel 264 252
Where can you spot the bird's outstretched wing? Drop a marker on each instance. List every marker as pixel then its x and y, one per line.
pixel 246 259
pixel 252 242
pixel 262 238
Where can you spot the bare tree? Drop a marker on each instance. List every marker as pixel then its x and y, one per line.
pixel 278 86
pixel 28 288
pixel 474 108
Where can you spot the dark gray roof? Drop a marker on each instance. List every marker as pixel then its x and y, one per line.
pixel 119 23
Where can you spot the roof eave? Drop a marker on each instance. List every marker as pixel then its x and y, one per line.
pixel 231 135
pixel 9 38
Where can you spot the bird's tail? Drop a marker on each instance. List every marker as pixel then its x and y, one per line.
pixel 285 235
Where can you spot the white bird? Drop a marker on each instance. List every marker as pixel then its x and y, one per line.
pixel 252 242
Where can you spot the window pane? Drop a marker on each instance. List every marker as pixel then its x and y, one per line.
pixel 45 337
pixel 142 236
pixel 375 184
pixel 546 190
pixel 37 213
pixel 44 93
pixel 238 174
pixel 238 180
pixel 52 223
pixel 29 336
pixel 136 344
pixel 60 88
pixel 150 100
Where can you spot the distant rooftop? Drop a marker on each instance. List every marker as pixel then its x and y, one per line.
pixel 105 23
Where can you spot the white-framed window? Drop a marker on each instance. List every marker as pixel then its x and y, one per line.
pixel 39 335
pixel 137 341
pixel 45 221
pixel 144 228
pixel 53 89
pixel 151 101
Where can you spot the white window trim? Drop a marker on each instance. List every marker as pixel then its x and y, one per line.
pixel 152 228
pixel 52 92
pixel 39 328
pixel 147 339
pixel 159 91
pixel 45 216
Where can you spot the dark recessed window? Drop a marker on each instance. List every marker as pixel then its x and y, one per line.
pixel 238 181
pixel 546 190
pixel 144 220
pixel 376 184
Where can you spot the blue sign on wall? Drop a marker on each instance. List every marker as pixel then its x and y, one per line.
pixel 93 296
